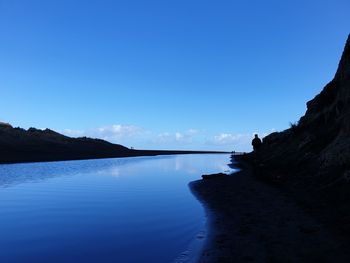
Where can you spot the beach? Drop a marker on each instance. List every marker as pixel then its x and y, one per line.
pixel 252 221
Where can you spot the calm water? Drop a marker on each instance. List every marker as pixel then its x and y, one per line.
pixel 111 210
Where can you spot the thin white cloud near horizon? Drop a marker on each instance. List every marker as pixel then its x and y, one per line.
pixel 179 137
pixel 230 138
pixel 189 139
pixel 111 133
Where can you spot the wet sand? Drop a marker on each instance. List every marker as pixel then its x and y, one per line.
pixel 252 221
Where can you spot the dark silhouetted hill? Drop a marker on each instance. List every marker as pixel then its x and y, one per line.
pixel 35 145
pixel 19 145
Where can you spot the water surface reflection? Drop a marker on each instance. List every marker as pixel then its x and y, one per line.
pixel 112 210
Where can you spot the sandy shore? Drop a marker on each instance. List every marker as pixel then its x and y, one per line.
pixel 251 221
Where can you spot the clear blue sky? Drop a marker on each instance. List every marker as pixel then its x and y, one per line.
pixel 167 74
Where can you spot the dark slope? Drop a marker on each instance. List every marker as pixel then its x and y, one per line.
pixel 34 145
pixel 313 156
pixel 319 143
pixel 19 145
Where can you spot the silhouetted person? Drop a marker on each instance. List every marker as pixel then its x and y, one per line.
pixel 256 142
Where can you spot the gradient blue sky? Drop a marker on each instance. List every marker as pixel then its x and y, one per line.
pixel 166 74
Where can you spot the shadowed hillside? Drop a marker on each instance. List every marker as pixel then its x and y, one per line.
pixel 313 156
pixel 35 145
pixel 19 145
pixel 319 142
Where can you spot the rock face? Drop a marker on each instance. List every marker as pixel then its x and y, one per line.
pixel 315 152
pixel 320 141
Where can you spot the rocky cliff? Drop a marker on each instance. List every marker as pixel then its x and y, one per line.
pixel 317 148
pixel 313 155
